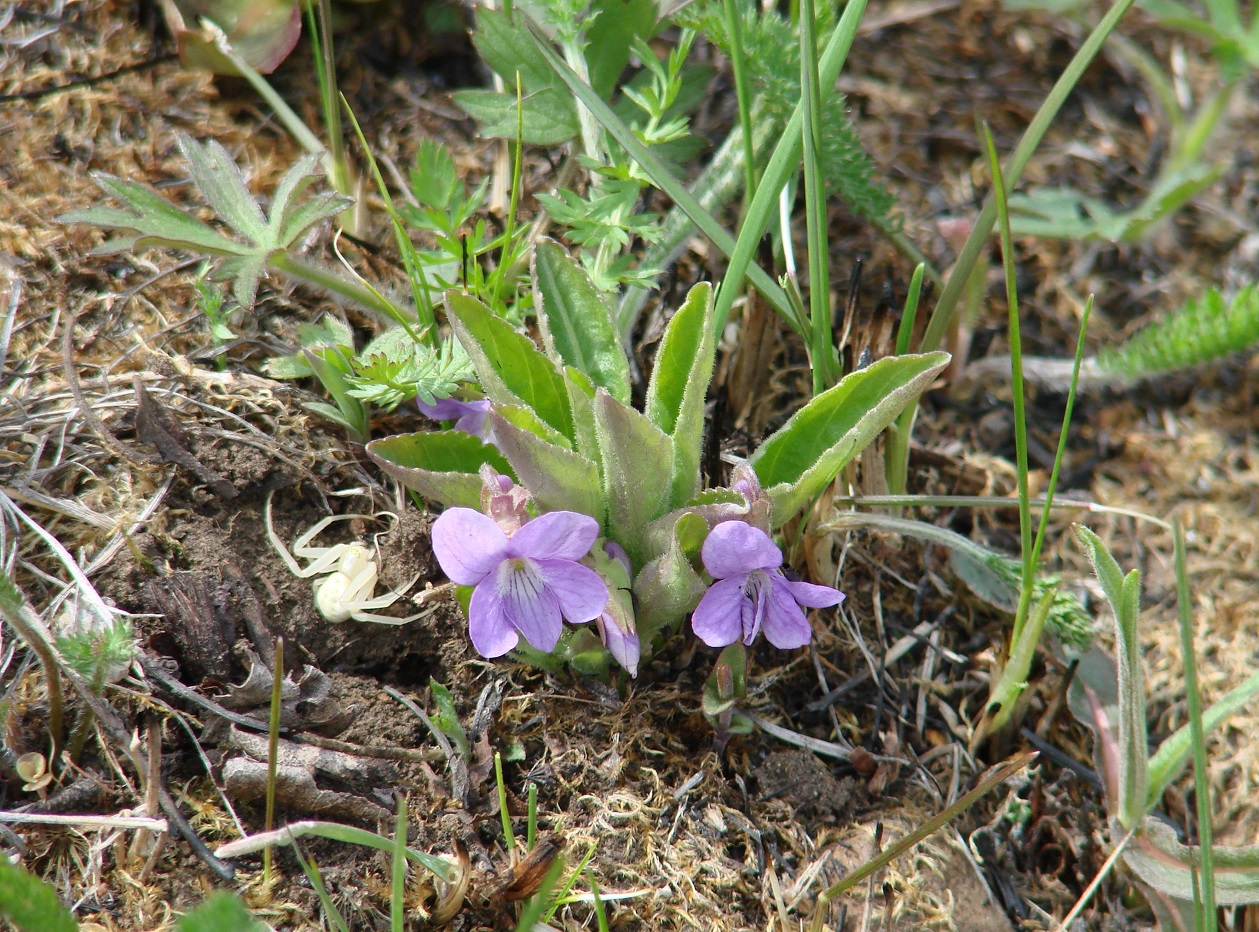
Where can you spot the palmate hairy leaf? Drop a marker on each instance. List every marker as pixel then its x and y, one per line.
pixel 216 174
pixel 151 220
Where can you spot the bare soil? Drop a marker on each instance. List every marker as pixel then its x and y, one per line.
pixel 744 840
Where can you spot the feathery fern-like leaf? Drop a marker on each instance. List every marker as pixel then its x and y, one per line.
pixel 1203 329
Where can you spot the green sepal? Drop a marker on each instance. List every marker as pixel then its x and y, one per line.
pixel 440 465
pixel 727 683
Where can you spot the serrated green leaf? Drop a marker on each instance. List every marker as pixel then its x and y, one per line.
pixel 608 39
pixel 804 456
pixel 505 46
pixel 636 456
pixel 575 321
pixel 679 386
pixel 441 465
pixel 558 479
pixel 29 903
pixel 549 118
pixel 510 368
pixel 220 180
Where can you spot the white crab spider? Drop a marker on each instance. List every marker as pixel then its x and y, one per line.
pixel 347 592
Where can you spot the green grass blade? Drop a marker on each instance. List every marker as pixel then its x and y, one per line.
pixel 1016 382
pixel 782 165
pixel 815 203
pixel 1031 140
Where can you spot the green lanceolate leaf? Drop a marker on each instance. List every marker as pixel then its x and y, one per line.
pixel 558 479
pixel 608 40
pixel 576 324
pixel 508 365
pixel 679 385
pixel 1169 761
pixel 581 399
pixel 804 456
pixel 1172 868
pixel 636 458
pixel 1124 593
pixel 29 903
pixel 441 465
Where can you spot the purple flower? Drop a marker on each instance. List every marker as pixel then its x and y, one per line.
pixel 469 416
pixel 752 593
pixel 525 583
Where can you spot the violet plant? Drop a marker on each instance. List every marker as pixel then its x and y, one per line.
pixel 588 509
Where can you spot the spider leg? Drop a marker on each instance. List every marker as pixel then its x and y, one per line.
pixel 277 543
pixel 423 599
pixel 301 546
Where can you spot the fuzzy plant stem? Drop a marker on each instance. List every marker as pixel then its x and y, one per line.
pixel 719 183
pixel 325 279
pixel 19 613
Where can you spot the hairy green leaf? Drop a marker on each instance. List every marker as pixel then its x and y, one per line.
pixel 575 321
pixel 440 465
pixel 804 456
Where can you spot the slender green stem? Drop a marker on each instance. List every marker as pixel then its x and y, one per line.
pixel 734 26
pixel 509 837
pixel 815 203
pixel 324 278
pixel 398 879
pixel 1201 774
pixel 19 613
pixel 273 753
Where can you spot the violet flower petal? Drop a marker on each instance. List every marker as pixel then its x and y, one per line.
pixel 734 547
pixel 492 634
pixel 563 535
pixel 811 595
pixel 468 545
pixel 718 619
pixel 579 590
pixel 757 591
pixel 529 604
pixel 469 416
pixel 624 648
pixel 785 624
